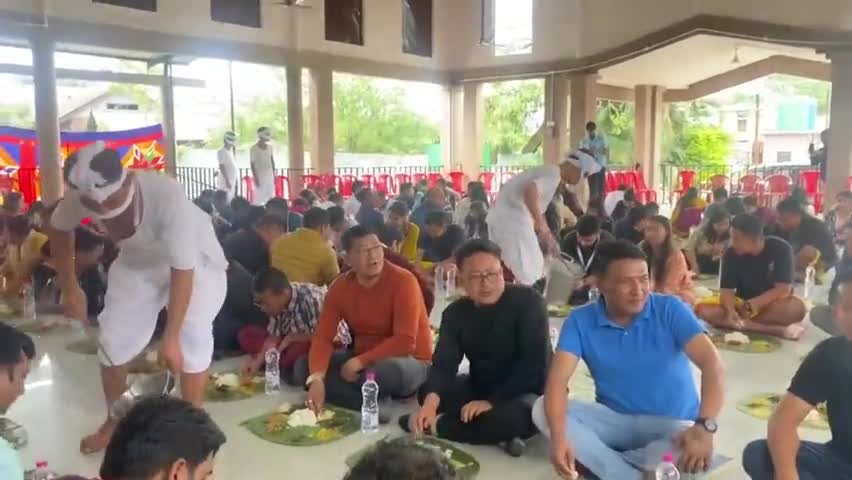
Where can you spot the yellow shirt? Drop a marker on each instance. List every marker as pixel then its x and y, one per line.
pixel 304 256
pixel 408 249
pixel 28 253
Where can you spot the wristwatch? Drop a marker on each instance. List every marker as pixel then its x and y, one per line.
pixel 748 308
pixel 708 424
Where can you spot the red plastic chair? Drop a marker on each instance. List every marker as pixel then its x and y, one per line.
pixel 457 179
pixel 637 180
pixel 346 182
pixel 309 180
pixel 621 179
pixel 282 186
pixel 433 179
pixel 505 177
pixel 369 180
pixel 384 183
pixel 750 185
pixel 401 178
pixel 685 179
pixel 809 179
pixel 419 177
pixel 487 179
pixel 777 188
pixel 330 180
pixel 248 187
pixel 610 184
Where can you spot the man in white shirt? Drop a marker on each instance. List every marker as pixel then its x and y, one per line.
pixel 16 353
pixel 168 257
pixel 351 205
pixel 516 221
pixel 597 145
pixel 228 176
pixel 263 167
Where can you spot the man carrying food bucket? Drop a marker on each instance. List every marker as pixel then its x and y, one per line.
pixel 169 257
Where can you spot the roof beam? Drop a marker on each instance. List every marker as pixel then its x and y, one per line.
pixel 612 92
pixel 103 76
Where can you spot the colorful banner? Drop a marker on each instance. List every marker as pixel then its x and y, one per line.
pixel 141 148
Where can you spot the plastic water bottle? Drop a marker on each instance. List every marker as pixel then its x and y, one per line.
pixel 450 286
pixel 370 405
pixel 273 375
pixel 667 470
pixel 440 282
pixel 42 473
pixel 28 303
pixel 554 337
pixel 810 280
pixel 594 294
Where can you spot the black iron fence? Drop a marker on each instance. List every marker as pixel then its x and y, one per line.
pixel 739 177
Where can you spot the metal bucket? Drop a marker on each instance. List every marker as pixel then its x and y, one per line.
pixel 162 383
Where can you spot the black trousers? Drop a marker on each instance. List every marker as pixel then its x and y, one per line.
pixel 597 184
pixel 506 421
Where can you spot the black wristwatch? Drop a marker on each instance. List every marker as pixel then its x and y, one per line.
pixel 708 424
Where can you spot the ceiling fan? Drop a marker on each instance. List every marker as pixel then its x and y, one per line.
pixel 293 3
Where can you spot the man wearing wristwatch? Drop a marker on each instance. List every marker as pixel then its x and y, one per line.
pixel 647 404
pixel 756 288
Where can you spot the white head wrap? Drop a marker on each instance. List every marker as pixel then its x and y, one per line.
pixel 265 134
pixel 230 138
pixel 91 183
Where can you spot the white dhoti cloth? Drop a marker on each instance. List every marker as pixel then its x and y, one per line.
pixel 135 297
pixel 264 190
pixel 521 252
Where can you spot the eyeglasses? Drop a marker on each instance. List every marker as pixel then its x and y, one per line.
pixel 485 277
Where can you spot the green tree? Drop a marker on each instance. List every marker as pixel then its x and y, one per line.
pixel 617 121
pixel 706 145
pixel 510 113
pixel 20 116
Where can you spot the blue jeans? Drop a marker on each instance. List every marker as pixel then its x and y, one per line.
pixel 815 461
pixel 613 445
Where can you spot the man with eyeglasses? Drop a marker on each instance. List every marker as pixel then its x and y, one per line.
pixel 503 331
pixel 16 353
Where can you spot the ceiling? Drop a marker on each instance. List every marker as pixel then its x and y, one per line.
pixel 694 59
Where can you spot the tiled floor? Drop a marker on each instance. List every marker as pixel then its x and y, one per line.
pixel 63 402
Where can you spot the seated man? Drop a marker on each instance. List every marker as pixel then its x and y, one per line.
pixel 398 221
pixel 402 459
pixel 163 438
pixel 293 310
pixel 582 246
pixel 89 248
pixel 647 403
pixel 383 307
pixel 306 255
pixel 821 315
pixel 441 239
pixel 250 246
pixel 809 236
pixel 823 377
pixel 632 227
pixel 23 254
pixel 292 220
pixel 16 352
pixel 369 215
pixel 339 223
pixel 756 286
pixel 508 365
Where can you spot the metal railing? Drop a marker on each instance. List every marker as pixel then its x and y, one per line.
pixel 735 173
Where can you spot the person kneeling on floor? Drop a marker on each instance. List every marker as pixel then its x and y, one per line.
pixel 757 285
pixel 822 378
pixel 647 404
pixel 503 331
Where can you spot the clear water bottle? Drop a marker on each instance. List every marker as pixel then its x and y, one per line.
pixel 42 472
pixel 273 374
pixel 450 286
pixel 440 282
pixel 28 303
pixel 370 405
pixel 810 280
pixel 554 337
pixel 594 294
pixel 667 470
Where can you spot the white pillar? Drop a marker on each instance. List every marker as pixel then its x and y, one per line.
pixel 648 132
pixel 556 116
pixel 473 129
pixel 170 134
pixel 840 129
pixel 295 126
pixel 448 123
pixel 47 117
pixel 322 120
pixel 584 106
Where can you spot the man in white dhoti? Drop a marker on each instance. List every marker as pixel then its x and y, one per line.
pixel 228 176
pixel 263 167
pixel 168 257
pixel 516 221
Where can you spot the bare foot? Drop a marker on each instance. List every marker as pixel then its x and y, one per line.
pixel 99 440
pixel 794 331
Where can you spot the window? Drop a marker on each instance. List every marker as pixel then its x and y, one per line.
pixel 122 106
pixel 344 21
pixel 742 122
pixel 513 29
pixel 417 27
pixel 238 12
pixel 784 157
pixel 148 5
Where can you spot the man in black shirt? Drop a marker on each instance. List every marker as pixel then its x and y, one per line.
pixel 632 227
pixel 441 238
pixel 809 236
pixel 582 246
pixel 757 285
pixel 503 331
pixel 823 377
pixel 250 246
pixel 368 215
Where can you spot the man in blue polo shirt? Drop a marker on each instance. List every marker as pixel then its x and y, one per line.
pixel 638 347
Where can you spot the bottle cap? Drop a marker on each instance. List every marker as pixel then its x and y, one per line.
pixel 371 376
pixel 668 458
pixel 41 464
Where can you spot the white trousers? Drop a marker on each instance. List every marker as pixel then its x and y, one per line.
pixel 136 296
pixel 521 252
pixel 264 190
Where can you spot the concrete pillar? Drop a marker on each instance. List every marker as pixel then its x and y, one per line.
pixel 648 132
pixel 840 130
pixel 47 118
pixel 322 120
pixel 295 127
pixel 556 116
pixel 584 106
pixel 472 129
pixel 169 132
pixel 448 123
pixel 453 131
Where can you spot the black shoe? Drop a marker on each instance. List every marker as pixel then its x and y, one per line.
pixel 405 423
pixel 514 447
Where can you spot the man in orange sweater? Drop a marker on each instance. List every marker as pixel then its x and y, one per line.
pixel 384 309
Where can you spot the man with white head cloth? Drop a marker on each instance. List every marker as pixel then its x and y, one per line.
pixel 168 257
pixel 228 175
pixel 263 167
pixel 516 221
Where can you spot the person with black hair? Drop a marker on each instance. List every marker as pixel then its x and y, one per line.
pixel 628 201
pixel 596 209
pixel 475 224
pixel 720 195
pixel 582 246
pixel 23 253
pixel 16 352
pixel 369 215
pixel 338 222
pixel 306 255
pixel 631 426
pixel 262 163
pixel 402 459
pixel 13 203
pixel 632 227
pixel 812 242
pixel 163 437
pixel 475 193
pixel 293 310
pixel 653 208
pixel 89 250
pixel 612 198
pixel 820 315
pixel 756 285
pixel 169 257
pixel 669 270
pixel 708 242
pixel 435 201
pixel 352 205
pixel 250 246
pixel 407 233
pixel 596 144
pixel 384 309
pixel 406 195
pixel 441 238
pixel 839 216
pixel 735 206
pixel 292 220
pixel 36 213
pixel 492 404
pixel 687 212
pixel 752 206
pixel 822 379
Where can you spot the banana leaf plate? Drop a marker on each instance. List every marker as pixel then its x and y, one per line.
pixel 561 311
pixel 466 465
pixel 274 427
pixel 763 405
pixel 758 343
pixel 247 389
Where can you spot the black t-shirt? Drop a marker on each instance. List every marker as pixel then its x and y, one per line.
pixel 442 248
pixel 570 248
pixel 752 275
pixel 815 233
pixel 247 248
pixel 826 376
pixel 624 231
